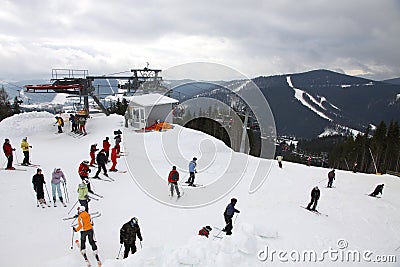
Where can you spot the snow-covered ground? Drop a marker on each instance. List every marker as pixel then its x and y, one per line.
pixel 271 218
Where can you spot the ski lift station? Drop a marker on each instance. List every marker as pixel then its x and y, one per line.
pixel 148 109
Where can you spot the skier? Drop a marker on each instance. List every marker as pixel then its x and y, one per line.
pixel 93 149
pixel 173 179
pixel 205 231
pixel 331 177
pixel 38 182
pixel 377 191
pixel 8 152
pixel 83 194
pixel 355 166
pixel 114 156
pixel 84 171
pixel 25 149
pixel 192 171
pixel 55 185
pixel 279 158
pixel 228 215
pixel 86 224
pixel 60 124
pixel 73 123
pixel 309 161
pixel 106 147
pixel 118 140
pixel 101 163
pixel 315 193
pixel 127 236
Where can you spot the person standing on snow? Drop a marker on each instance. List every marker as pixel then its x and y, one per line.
pixel 127 236
pixel 101 163
pixel 192 171
pixel 86 224
pixel 73 122
pixel 114 156
pixel 60 124
pixel 38 182
pixel 118 140
pixel 315 193
pixel 25 149
pixel 331 177
pixel 84 171
pixel 83 194
pixel 8 152
pixel 279 158
pixel 93 149
pixel 228 215
pixel 377 191
pixel 55 184
pixel 173 179
pixel 106 147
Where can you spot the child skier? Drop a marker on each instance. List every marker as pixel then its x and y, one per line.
pixel 25 149
pixel 205 231
pixel 93 149
pixel 377 191
pixel 8 152
pixel 315 193
pixel 228 215
pixel 173 179
pixel 114 156
pixel 331 177
pixel 83 194
pixel 192 171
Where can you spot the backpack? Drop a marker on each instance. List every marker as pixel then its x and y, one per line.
pixel 175 176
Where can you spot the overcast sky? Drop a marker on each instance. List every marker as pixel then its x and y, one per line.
pixel 255 37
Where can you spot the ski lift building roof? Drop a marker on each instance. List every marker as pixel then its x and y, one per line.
pixel 149 100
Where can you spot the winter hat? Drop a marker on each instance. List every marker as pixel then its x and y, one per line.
pixel 233 200
pixel 85 162
pixel 194 158
pixel 208 228
pixel 81 208
pixel 7 140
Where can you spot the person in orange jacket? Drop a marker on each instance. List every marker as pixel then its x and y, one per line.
pixel 86 225
pixel 114 156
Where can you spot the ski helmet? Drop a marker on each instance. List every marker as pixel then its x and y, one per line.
pixel 194 158
pixel 85 181
pixel 233 200
pixel 85 162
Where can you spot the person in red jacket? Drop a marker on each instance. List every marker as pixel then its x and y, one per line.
pixel 173 179
pixel 106 147
pixel 8 151
pixel 93 149
pixel 205 231
pixel 84 171
pixel 114 156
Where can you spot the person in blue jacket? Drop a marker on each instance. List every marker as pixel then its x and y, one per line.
pixel 228 215
pixel 192 171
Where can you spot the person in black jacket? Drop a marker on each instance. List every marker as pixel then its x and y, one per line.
pixel 331 177
pixel 228 215
pixel 101 163
pixel 127 236
pixel 315 193
pixel 38 182
pixel 377 191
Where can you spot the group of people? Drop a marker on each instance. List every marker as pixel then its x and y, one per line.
pixel 8 152
pixel 315 192
pixel 57 179
pixel 78 122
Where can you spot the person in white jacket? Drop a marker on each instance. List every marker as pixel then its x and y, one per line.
pixel 56 178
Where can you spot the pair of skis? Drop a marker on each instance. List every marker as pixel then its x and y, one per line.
pixel 77 243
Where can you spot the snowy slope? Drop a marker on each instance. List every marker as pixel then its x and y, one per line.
pixel 34 236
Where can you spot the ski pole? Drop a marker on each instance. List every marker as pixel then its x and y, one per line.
pixel 66 193
pixel 72 239
pixel 237 214
pixel 141 247
pixel 73 207
pixel 119 252
pixel 47 193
